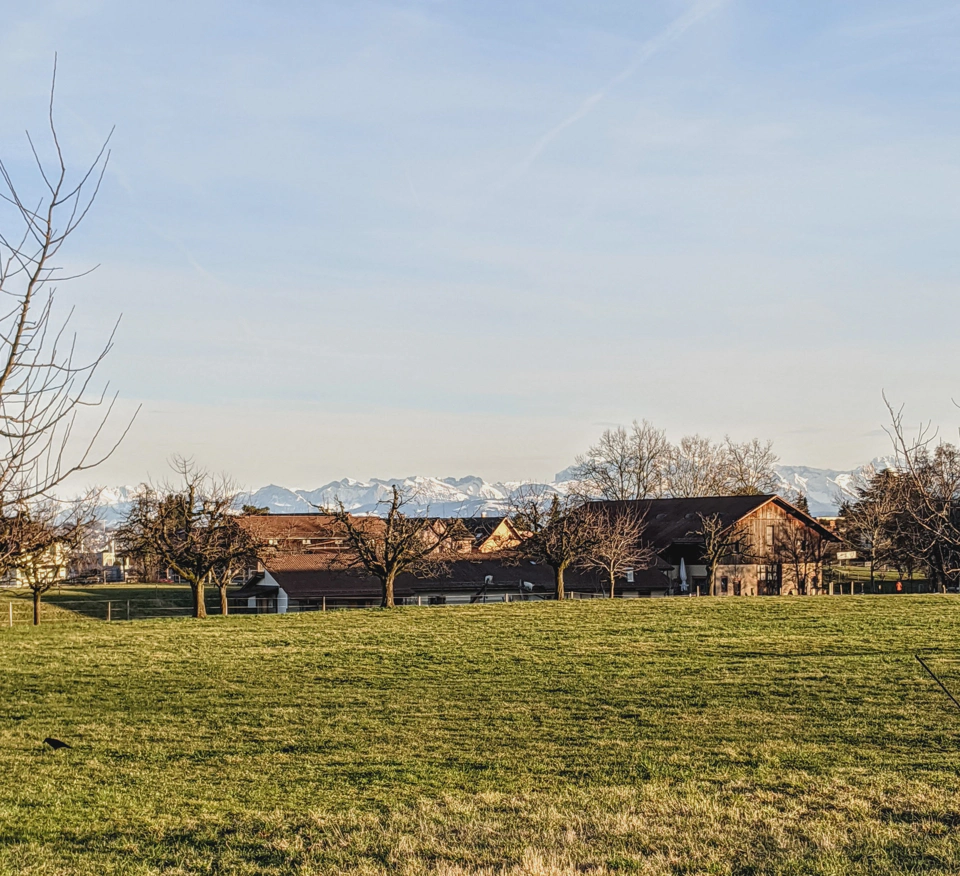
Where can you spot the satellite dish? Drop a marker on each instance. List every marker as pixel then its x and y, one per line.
pixel 527 586
pixel 488 579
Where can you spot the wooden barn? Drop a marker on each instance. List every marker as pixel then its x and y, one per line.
pixel 757 545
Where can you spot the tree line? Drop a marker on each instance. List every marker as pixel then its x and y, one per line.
pixel 640 462
pixel 907 517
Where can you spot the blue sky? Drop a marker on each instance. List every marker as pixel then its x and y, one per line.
pixel 358 239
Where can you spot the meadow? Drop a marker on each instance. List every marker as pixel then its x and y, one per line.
pixel 737 736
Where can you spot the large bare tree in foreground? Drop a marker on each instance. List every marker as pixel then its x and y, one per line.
pixel 45 386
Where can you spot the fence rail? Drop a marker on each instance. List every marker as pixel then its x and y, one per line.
pixel 57 609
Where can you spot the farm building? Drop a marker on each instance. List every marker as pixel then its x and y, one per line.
pixel 761 545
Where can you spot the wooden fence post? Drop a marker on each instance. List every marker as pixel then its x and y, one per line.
pixel 11 614
pixel 108 611
pixel 128 609
pixel 324 604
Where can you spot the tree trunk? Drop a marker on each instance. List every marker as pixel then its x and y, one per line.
pixel 388 592
pixel 613 582
pixel 224 608
pixel 558 581
pixel 199 600
pixel 711 581
pixel 36 608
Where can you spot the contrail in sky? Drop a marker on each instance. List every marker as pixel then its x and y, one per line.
pixel 676 28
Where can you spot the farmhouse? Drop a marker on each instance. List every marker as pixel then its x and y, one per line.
pixel 761 545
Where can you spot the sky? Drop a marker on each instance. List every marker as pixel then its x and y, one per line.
pixel 357 239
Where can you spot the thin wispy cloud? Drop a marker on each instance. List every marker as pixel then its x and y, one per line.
pixel 676 29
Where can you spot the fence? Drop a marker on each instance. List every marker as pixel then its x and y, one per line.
pixel 57 609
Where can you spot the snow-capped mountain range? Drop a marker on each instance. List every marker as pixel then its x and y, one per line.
pixel 473 496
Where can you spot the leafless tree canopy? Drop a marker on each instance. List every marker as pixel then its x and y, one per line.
pixel 395 543
pixel 617 545
pixel 723 544
pixel 44 386
pixel 40 538
pixel 909 516
pixel 748 468
pixel 555 530
pixel 640 463
pixel 191 526
pixel 625 465
pixel 803 551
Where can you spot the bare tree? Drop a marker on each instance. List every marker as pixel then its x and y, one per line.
pixel 555 531
pixel 396 543
pixel 625 465
pixel 722 545
pixel 931 468
pixel 190 525
pixel 748 468
pixel 235 548
pixel 44 386
pixel 697 468
pixel 39 539
pixel 867 524
pixel 617 544
pixel 803 551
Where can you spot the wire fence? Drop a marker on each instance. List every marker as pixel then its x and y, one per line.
pixel 176 603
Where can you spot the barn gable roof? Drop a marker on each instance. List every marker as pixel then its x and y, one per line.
pixel 676 521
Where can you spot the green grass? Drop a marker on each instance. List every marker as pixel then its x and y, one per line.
pixel 738 736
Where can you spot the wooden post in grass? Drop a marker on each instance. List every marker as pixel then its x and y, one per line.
pixel 108 611
pixel 11 614
pixel 419 600
pixel 128 609
pixel 324 604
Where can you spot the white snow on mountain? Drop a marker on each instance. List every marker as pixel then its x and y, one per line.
pixel 443 497
pixel 473 496
pixel 826 488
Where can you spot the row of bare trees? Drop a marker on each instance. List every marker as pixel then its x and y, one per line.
pixel 641 463
pixel 556 531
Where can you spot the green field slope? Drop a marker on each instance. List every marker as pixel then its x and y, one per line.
pixel 740 736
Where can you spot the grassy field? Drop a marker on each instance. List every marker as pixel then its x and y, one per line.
pixel 747 736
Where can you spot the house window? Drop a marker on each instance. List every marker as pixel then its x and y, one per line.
pixel 629 576
pixel 723 584
pixel 306 541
